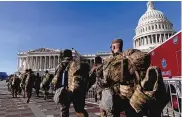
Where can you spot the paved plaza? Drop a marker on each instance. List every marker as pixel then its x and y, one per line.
pixel 38 107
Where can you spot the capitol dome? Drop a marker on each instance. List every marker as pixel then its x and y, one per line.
pixel 153 29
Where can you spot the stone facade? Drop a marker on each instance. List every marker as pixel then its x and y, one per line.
pixel 43 59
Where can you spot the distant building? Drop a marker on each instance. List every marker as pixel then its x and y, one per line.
pixel 43 59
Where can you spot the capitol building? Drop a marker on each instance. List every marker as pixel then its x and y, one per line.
pixel 153 29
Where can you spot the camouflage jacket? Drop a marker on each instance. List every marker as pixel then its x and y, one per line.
pixel 23 77
pixel 99 74
pixel 76 75
pixel 112 72
pixel 30 79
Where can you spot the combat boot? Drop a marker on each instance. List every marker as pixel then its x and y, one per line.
pixel 82 114
pixel 102 113
pixel 28 100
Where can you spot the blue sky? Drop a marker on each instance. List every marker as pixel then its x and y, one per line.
pixel 89 27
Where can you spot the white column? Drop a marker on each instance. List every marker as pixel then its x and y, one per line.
pixel 156 38
pixel 45 63
pixel 160 39
pixel 36 63
pixel 31 63
pixel 26 59
pixel 58 58
pixel 49 61
pixel 28 64
pixel 54 62
pixel 139 42
pixel 41 62
pixel 168 36
pixel 152 39
pixel 18 63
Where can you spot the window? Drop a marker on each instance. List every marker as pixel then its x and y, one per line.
pixel 150 40
pixel 175 40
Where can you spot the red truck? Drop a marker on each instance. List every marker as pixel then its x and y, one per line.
pixel 167 56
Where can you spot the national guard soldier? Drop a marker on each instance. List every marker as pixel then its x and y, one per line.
pixel 37 84
pixel 29 83
pixel 23 77
pixel 8 81
pixel 98 63
pixel 46 80
pixel 99 80
pixel 111 100
pixel 69 80
pixel 15 83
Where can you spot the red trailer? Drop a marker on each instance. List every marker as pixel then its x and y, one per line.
pixel 167 56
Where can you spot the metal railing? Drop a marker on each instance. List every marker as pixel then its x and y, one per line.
pixel 172 109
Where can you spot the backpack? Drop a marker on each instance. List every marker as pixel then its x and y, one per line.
pixel 140 60
pixel 150 93
pixel 75 69
pixel 78 75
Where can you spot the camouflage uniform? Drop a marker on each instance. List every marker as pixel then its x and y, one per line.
pixel 99 80
pixel 29 83
pixel 111 80
pixel 74 86
pixel 47 79
pixel 23 77
pixel 15 83
pixel 8 81
pixel 37 84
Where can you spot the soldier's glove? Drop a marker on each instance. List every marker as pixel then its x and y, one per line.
pixel 126 90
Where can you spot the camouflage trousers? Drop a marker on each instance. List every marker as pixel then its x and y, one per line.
pixel 23 90
pixel 28 92
pixel 46 92
pixel 14 90
pixel 120 105
pixel 9 86
pixel 37 91
pixel 78 100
